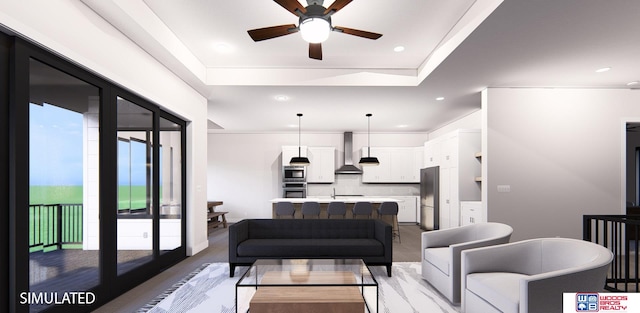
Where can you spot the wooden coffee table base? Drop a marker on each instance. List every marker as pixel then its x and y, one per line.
pixel 309 299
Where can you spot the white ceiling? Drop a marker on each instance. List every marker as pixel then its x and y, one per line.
pixel 453 49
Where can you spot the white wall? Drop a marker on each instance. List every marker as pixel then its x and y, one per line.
pixel 470 121
pixel 244 170
pixel 561 151
pixel 72 30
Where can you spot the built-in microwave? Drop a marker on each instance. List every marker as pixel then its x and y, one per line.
pixel 294 190
pixel 294 174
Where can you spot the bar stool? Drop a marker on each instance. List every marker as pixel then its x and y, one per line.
pixel 391 209
pixel 311 208
pixel 284 209
pixel 337 208
pixel 362 208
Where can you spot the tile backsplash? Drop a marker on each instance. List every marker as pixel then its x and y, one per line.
pixel 352 185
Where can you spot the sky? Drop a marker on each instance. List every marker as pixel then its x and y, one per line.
pixel 55 146
pixel 55 150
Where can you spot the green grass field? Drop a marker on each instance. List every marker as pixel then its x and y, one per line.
pixel 73 194
pixel 55 194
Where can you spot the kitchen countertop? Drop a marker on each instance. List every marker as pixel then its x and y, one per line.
pixel 337 199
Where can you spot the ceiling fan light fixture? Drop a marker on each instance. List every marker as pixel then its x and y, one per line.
pixel 315 30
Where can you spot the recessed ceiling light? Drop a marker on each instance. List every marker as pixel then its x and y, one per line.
pixel 440 98
pixel 602 70
pixel 632 83
pixel 222 47
pixel 402 126
pixel 398 49
pixel 281 98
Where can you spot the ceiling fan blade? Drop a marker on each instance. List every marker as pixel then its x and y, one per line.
pixel 291 6
pixel 337 6
pixel 315 51
pixel 272 32
pixel 357 32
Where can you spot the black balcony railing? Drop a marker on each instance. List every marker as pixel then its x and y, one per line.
pixel 54 226
pixel 619 233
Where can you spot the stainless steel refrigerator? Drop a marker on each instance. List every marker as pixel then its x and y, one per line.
pixel 429 198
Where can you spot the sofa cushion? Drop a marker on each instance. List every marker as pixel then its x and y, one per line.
pixel 317 248
pixel 439 257
pixel 340 229
pixel 311 229
pixel 502 290
pixel 281 229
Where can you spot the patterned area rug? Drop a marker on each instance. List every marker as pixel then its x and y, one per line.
pixel 210 289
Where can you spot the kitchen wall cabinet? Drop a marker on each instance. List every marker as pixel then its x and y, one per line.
pixel 397 165
pixel 455 154
pixel 378 173
pixel 292 151
pixel 432 153
pixel 323 165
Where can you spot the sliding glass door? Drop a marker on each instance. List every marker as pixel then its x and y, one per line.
pixel 170 177
pixel 135 179
pixel 63 207
pixel 96 185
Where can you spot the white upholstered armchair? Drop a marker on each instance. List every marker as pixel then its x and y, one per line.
pixel 530 276
pixel 441 253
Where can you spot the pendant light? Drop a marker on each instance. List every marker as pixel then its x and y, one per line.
pixel 369 160
pixel 299 160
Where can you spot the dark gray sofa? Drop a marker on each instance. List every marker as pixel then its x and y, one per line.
pixel 370 240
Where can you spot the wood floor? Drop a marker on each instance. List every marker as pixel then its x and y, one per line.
pixel 406 251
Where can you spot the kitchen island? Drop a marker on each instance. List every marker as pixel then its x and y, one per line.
pixel 324 202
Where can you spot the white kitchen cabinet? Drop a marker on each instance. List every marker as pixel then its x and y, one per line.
pixel 432 153
pixel 323 165
pixel 397 165
pixel 470 212
pixel 292 151
pixel 407 209
pixel 455 154
pixel 377 173
pixel 418 163
pixel 449 150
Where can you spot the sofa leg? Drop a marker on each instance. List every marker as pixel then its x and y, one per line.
pixel 232 269
pixel 388 270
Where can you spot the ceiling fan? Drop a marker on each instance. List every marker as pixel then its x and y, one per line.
pixel 314 24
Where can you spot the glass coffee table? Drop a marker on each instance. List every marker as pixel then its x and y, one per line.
pixel 307 285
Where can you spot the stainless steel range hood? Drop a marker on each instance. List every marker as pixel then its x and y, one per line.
pixel 348 167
